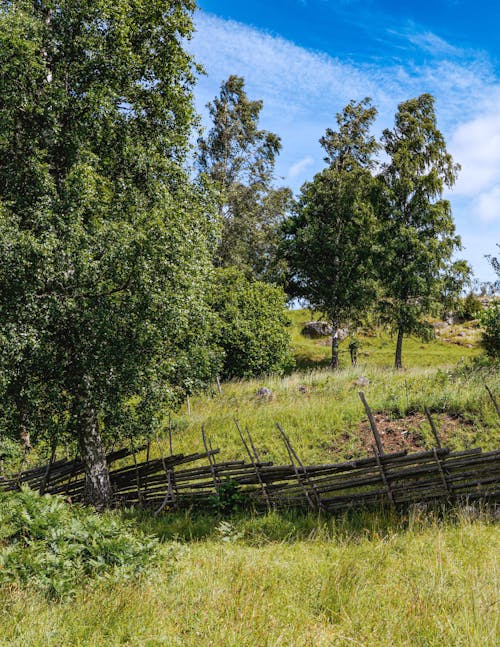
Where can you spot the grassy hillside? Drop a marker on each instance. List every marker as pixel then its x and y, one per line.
pixel 452 343
pixel 424 579
pixel 321 410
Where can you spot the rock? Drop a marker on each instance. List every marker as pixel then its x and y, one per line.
pixel 304 389
pixel 461 334
pixel 316 329
pixel 264 393
pixel 362 381
pixel 468 345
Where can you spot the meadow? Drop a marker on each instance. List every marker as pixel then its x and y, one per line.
pixel 429 577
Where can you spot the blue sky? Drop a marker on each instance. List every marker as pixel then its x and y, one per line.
pixel 307 58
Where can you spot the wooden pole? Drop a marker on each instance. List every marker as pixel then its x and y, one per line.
pixel 46 477
pixel 433 427
pixel 219 388
pixel 493 399
pixel 442 473
pixel 170 434
pixel 255 466
pixel 373 425
pixel 210 459
pixel 384 476
pixel 293 453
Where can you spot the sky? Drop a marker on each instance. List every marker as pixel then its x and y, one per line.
pixel 306 59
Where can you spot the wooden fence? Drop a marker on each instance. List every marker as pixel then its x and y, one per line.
pixel 202 481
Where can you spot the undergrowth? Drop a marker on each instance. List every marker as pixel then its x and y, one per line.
pixel 54 547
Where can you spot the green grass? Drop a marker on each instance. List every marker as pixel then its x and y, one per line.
pixel 428 578
pixel 378 346
pixel 281 580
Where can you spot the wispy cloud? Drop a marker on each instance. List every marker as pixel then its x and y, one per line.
pixel 298 169
pixel 303 89
pixel 433 44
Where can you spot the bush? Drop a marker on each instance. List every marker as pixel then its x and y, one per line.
pixel 48 544
pixel 490 320
pixel 251 328
pixel 471 308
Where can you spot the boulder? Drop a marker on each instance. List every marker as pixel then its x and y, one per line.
pixel 264 393
pixel 316 329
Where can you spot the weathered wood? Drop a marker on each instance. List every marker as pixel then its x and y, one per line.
pixel 373 424
pixel 493 399
pixel 433 427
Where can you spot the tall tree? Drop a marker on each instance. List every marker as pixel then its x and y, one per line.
pixel 329 241
pixel 418 236
pixel 240 159
pixel 104 238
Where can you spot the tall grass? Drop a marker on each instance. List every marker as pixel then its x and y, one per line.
pixel 282 581
pixel 322 413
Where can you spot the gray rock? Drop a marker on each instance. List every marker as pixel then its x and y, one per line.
pixel 316 329
pixel 264 393
pixel 362 381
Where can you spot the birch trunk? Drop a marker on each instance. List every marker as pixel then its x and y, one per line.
pixel 98 490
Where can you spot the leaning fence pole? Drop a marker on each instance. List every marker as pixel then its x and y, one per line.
pixel 433 427
pixel 293 454
pixel 46 476
pixel 493 399
pixel 210 459
pixel 255 466
pixel 373 424
pixel 383 474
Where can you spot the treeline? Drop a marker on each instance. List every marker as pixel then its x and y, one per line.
pixel 132 272
pixel 363 235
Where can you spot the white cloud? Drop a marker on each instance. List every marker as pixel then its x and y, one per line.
pixel 298 169
pixel 302 90
pixel 488 205
pixel 476 145
pixel 432 43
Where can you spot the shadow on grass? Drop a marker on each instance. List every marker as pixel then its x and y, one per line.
pixel 294 526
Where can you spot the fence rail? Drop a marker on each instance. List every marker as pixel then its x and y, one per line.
pixel 198 480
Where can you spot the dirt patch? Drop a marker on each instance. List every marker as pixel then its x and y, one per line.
pixel 411 433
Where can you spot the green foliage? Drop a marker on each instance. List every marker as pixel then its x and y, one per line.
pixel 105 242
pixel 469 308
pixel 417 233
pixel 251 325
pixel 239 159
pixel 228 499
pixel 54 547
pixel 490 321
pixel 329 241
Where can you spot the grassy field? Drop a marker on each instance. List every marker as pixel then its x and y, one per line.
pixel 323 415
pixel 280 580
pixel 429 578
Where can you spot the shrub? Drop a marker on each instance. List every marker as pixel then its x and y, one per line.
pixel 490 320
pixel 52 546
pixel 228 499
pixel 251 326
pixel 471 307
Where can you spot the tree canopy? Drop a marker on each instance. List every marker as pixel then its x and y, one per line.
pixel 417 234
pixel 329 241
pixel 240 159
pixel 104 248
